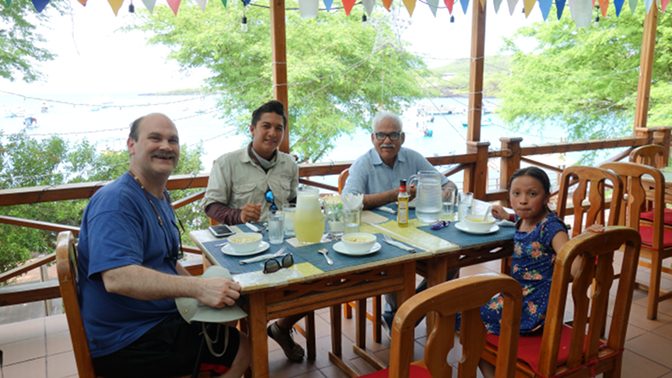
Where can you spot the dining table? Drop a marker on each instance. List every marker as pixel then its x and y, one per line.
pixel 311 283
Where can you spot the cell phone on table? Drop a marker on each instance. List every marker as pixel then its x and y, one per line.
pixel 221 230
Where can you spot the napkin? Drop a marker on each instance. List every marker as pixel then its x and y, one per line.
pixel 352 201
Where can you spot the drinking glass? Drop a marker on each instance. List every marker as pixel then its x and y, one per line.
pixel 448 201
pixel 464 204
pixel 352 220
pixel 289 209
pixel 276 227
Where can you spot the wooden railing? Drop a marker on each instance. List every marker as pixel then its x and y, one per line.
pixel 474 163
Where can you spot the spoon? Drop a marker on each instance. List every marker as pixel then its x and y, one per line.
pixel 324 252
pixel 487 212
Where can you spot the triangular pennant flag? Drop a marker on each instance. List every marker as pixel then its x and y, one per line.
pixel 512 5
pixel 83 2
pixel 560 7
pixel 201 3
pixel 582 12
pixel 604 7
pixel 648 5
pixel 115 4
pixel 618 4
pixel 545 7
pixel 497 3
pixel 449 5
pixel 387 4
pixel 658 3
pixel 528 5
pixel 663 5
pixel 327 4
pixel 247 2
pixel 9 3
pixel 633 6
pixel 482 4
pixel 368 6
pixel 465 4
pixel 224 3
pixel 149 4
pixel 347 5
pixel 174 5
pixel 410 6
pixel 433 6
pixel 40 5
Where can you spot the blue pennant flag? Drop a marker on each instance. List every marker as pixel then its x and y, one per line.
pixel 40 5
pixel 560 5
pixel 465 4
pixel 545 6
pixel 247 2
pixel 618 4
pixel 327 4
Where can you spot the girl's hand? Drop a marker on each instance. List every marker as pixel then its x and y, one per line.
pixel 596 228
pixel 499 213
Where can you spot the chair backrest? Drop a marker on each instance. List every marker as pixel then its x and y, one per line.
pixel 465 295
pixel 590 191
pixel 652 155
pixel 66 265
pixel 590 311
pixel 342 178
pixel 641 183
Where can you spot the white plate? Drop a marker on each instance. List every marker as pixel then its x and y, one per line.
pixel 228 250
pixel 460 226
pixel 340 248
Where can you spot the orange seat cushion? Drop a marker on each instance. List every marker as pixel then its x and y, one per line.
pixel 416 372
pixel 647 236
pixel 648 215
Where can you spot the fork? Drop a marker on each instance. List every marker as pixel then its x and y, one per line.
pixel 395 243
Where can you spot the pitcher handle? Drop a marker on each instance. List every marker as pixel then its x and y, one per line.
pixel 325 209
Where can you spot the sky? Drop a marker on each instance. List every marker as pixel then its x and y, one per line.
pixel 94 56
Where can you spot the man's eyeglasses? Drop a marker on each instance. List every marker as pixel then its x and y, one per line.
pixel 272 265
pixel 271 200
pixel 393 136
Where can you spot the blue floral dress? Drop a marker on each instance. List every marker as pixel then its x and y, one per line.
pixel 532 265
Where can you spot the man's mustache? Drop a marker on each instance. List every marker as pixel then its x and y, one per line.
pixel 159 154
pixel 387 145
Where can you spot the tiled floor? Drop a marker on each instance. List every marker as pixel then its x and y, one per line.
pixel 41 348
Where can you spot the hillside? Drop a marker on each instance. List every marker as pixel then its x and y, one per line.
pixel 453 79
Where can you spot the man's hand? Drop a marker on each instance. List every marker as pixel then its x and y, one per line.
pixel 218 292
pixel 412 190
pixel 251 212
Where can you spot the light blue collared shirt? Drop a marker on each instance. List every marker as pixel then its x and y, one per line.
pixel 369 175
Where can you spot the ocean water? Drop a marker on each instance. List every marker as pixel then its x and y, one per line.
pixel 104 120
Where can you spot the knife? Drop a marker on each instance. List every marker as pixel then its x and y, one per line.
pixel 252 227
pixel 387 209
pixel 262 257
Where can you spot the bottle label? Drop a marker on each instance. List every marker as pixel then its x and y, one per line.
pixel 402 212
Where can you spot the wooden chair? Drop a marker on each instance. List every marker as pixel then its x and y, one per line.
pixel 656 238
pixel 465 295
pixel 66 265
pixel 589 201
pixel 652 155
pixel 578 351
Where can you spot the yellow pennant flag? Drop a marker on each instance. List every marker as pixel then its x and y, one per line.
pixel 410 6
pixel 115 4
pixel 528 4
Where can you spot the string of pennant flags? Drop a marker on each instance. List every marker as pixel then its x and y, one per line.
pixel 581 10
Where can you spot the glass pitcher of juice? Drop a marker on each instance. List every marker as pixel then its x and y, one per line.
pixel 309 217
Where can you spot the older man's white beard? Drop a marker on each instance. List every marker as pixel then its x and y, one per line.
pixel 387 146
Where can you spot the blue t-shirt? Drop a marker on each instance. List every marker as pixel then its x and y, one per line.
pixel 369 175
pixel 119 228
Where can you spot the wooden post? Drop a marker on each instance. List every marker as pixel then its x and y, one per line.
pixel 279 56
pixel 476 72
pixel 509 164
pixel 646 66
pixel 476 177
pixel 661 136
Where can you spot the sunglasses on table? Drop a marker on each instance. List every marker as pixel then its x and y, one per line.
pixel 393 136
pixel 270 199
pixel 272 265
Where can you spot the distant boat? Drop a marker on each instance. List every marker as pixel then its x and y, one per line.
pixel 44 108
pixel 30 122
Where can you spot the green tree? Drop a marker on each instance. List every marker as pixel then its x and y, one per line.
pixel 586 79
pixel 21 46
pixel 339 72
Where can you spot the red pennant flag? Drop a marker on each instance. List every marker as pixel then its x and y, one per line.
pixel 175 4
pixel 663 4
pixel 347 5
pixel 83 2
pixel 387 4
pixel 449 5
pixel 604 7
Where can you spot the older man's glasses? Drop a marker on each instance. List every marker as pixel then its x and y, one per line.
pixel 271 200
pixel 393 136
pixel 273 265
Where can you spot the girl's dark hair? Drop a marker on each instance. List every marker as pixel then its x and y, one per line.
pixel 533 172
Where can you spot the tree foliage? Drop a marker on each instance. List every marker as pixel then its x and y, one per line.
pixel 27 162
pixel 339 72
pixel 586 79
pixel 20 43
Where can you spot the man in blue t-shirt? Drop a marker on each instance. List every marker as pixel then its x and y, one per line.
pixel 376 174
pixel 129 274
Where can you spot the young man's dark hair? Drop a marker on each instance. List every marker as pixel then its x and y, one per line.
pixel 270 107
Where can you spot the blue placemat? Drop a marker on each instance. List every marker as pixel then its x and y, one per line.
pixel 232 263
pixel 309 253
pixel 390 216
pixel 453 235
